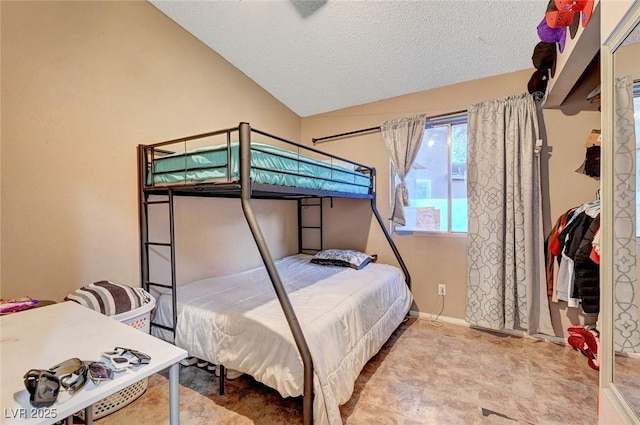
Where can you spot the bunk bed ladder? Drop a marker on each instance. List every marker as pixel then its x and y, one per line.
pixel 146 245
pixel 308 205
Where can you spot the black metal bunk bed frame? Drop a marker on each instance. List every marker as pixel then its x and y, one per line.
pixel 245 189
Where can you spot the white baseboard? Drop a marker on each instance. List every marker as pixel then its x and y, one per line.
pixel 427 316
pixel 462 322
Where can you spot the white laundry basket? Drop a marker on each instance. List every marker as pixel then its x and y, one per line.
pixel 139 318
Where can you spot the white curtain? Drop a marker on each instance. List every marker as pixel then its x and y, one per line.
pixel 506 286
pixel 402 138
pixel 625 276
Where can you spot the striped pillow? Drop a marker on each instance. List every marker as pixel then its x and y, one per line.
pixel 343 258
pixel 109 298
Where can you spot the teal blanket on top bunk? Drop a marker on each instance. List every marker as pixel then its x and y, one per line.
pixel 276 166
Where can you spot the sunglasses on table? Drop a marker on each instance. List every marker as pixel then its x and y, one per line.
pixel 122 358
pixel 71 375
pixel 99 372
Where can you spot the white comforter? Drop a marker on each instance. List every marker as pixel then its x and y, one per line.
pixel 346 316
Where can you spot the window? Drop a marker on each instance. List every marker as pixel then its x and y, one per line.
pixel 437 182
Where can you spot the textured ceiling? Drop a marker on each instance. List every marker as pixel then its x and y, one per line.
pixel 319 56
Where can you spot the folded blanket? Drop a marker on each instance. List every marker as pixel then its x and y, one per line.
pixel 17 304
pixel 109 298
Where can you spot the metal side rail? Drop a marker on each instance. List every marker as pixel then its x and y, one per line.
pixel 392 244
pixel 287 308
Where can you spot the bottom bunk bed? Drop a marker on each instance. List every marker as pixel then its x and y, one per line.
pixel 237 321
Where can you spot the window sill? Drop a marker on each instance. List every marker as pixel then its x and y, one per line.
pixel 432 234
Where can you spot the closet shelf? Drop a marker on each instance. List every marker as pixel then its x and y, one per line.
pixel 577 69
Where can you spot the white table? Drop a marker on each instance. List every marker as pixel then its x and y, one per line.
pixel 43 337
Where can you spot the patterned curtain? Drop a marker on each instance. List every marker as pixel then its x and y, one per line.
pixel 402 138
pixel 505 262
pixel 625 308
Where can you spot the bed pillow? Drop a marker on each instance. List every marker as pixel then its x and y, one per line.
pixel 109 298
pixel 343 258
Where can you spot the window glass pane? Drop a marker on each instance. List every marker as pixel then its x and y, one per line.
pixel 431 166
pixel 459 178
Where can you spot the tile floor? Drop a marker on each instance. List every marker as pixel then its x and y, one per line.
pixel 423 375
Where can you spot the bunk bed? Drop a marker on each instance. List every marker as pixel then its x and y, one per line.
pixel 323 306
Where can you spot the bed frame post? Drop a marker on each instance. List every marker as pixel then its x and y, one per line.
pixel 299 202
pixel 287 308
pixel 394 248
pixel 142 217
pixel 174 280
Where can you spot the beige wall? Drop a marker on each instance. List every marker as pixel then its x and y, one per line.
pixel 626 61
pixel 611 12
pixel 442 259
pixel 566 137
pixel 82 84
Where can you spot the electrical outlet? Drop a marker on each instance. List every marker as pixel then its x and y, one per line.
pixel 442 289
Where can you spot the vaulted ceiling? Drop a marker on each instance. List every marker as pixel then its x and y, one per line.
pixel 319 56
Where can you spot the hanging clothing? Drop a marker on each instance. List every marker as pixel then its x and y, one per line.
pixel 587 272
pixel 552 250
pixel 571 243
pixel 595 248
pixel 573 235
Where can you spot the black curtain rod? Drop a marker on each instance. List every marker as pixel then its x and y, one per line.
pixel 335 136
pixel 376 129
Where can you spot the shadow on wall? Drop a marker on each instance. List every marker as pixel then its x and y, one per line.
pixel 562 317
pixel 545 155
pixel 347 224
pixel 214 239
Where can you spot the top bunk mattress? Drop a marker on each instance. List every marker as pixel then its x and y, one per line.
pixel 269 165
pixel 346 316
